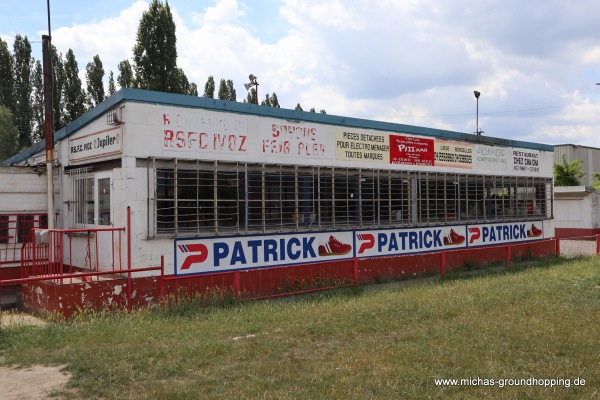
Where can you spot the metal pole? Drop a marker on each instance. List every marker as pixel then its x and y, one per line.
pixel 478 133
pixel 49 136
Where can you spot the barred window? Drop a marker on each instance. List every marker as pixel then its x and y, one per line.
pixel 209 198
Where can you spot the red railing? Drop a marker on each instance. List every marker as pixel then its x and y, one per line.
pixel 14 230
pixel 49 252
pixel 71 256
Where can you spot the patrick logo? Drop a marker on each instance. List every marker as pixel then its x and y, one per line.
pixel 474 234
pixel 196 253
pixel 367 242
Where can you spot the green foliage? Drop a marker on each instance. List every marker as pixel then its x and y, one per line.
pixel 58 82
pixel 6 76
pixel 94 73
pixel 8 134
pixel 567 174
pixel 252 96
pixel 111 83
pixel 37 102
pixel 155 51
pixel 125 79
pixel 596 180
pixel 231 94
pixel 193 89
pixel 74 97
pixel 223 92
pixel 209 88
pixel 298 107
pixel 22 109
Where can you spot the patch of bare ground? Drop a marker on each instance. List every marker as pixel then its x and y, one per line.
pixel 35 382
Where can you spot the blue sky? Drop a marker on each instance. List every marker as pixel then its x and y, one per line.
pixel 414 62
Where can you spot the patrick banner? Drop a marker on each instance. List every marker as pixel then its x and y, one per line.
pixel 209 255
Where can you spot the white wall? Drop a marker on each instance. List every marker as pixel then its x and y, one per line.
pixel 22 190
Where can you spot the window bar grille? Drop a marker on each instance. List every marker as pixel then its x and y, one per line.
pixel 176 197
pixel 215 197
pixel 296 202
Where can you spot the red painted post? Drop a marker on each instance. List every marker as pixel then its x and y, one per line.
pixel 355 271
pixel 128 258
pixel 508 255
pixel 162 280
pixel 598 244
pixel 443 263
pixel 236 284
pixel 557 247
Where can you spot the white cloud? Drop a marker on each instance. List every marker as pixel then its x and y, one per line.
pixel 410 61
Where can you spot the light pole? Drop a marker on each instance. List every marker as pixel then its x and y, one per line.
pixel 477 94
pixel 252 83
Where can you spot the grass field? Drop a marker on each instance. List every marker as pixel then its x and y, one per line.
pixel 536 321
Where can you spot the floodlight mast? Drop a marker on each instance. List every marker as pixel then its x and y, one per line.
pixel 253 82
pixel 477 94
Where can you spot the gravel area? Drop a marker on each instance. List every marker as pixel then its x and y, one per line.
pixel 577 248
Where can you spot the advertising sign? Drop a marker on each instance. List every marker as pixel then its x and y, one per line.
pixel 411 150
pixel 493 158
pixel 453 154
pixel 526 160
pixel 510 232
pixel 295 139
pixel 203 132
pixel 410 240
pixel 361 146
pixel 207 255
pixel 197 256
pixel 99 144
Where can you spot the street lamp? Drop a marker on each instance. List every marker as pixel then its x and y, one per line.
pixel 477 94
pixel 254 83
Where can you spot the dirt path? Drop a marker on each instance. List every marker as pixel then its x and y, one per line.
pixel 35 382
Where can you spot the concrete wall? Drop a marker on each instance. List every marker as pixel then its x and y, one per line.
pixel 576 211
pixel 22 190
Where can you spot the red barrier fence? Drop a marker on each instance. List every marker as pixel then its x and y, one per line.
pixel 255 283
pixel 14 230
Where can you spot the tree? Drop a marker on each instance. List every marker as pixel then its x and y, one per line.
pixel 184 83
pixel 22 110
pixel 267 101
pixel 596 180
pixel 125 78
pixel 231 95
pixel 252 99
pixel 567 174
pixel 155 52
pixel 274 101
pixel 8 134
pixel 312 110
pixel 298 107
pixel 38 102
pixel 111 83
pixel 94 74
pixel 58 82
pixel 193 89
pixel 73 93
pixel 209 88
pixel 223 93
pixel 6 76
